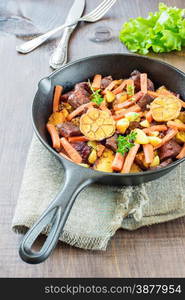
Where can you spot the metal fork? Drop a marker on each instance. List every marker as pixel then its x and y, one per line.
pixel 93 16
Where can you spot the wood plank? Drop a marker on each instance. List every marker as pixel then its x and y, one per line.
pixel 148 252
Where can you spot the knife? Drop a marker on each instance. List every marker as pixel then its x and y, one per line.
pixel 59 56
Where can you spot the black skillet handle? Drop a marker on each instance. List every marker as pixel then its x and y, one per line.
pixel 55 217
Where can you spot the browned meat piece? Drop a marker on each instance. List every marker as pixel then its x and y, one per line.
pixel 105 82
pixel 65 96
pixel 111 142
pixel 83 149
pixel 140 161
pixel 135 75
pixel 68 129
pixel 170 149
pixel 80 95
pixel 133 125
pixel 163 164
pixel 144 101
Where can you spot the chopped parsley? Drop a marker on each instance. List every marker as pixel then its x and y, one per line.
pixel 130 90
pixel 125 143
pixel 96 97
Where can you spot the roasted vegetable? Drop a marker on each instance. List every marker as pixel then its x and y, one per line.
pixel 97 124
pixel 104 163
pixel 156 162
pixel 122 125
pixel 109 96
pixel 92 157
pixel 180 136
pixel 165 108
pixel 57 118
pixel 154 140
pixel 181 116
pixel 135 168
pixel 145 123
pixel 141 137
pixel 132 116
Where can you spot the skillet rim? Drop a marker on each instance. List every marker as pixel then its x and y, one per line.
pixel 52 74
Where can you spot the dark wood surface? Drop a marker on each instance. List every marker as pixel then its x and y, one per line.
pixel 155 251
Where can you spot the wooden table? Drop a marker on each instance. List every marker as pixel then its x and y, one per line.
pixel 155 251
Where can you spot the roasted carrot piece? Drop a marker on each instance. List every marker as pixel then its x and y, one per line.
pixel 149 117
pixel 148 150
pixel 130 102
pixel 65 156
pixel 133 108
pixel 153 94
pixel 75 139
pixel 120 88
pixel 155 128
pixel 96 82
pixel 143 81
pixel 182 153
pixel 118 162
pixel 54 135
pixel 80 109
pixel 73 154
pixel 170 135
pixel 56 98
pixel 130 158
pixel 110 87
pixel 173 124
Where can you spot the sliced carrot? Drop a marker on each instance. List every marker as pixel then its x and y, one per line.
pixel 153 94
pixel 130 102
pixel 133 108
pixel 170 135
pixel 96 84
pixel 120 88
pixel 54 135
pixel 149 117
pixel 130 158
pixel 75 139
pixel 73 154
pixel 79 110
pixel 155 128
pixel 110 87
pixel 148 150
pixel 143 81
pixel 118 162
pixel 99 149
pixel 65 156
pixel 182 153
pixel 173 124
pixel 56 98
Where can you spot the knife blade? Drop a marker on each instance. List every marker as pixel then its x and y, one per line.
pixel 59 57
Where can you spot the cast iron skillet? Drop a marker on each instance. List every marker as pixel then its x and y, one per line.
pixel 77 177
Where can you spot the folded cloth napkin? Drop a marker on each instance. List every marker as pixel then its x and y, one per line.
pixel 98 210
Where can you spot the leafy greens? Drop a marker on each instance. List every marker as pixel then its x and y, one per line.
pixel 125 143
pixel 162 31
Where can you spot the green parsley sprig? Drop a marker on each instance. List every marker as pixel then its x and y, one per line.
pixel 125 143
pixel 96 97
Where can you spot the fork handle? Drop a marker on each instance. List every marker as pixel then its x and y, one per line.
pixel 34 43
pixel 59 56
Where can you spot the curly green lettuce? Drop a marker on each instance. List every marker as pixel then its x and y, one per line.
pixel 162 31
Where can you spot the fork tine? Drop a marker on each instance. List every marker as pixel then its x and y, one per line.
pixel 98 8
pixel 95 15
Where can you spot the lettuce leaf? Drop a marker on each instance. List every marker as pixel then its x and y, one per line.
pixel 162 31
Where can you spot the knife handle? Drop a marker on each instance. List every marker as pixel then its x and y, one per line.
pixel 59 56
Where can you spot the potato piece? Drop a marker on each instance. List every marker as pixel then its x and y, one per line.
pixel 181 116
pixel 180 136
pixel 92 157
pixel 109 96
pixel 122 125
pixel 92 144
pixel 145 123
pixel 165 108
pixel 154 140
pixel 141 137
pixel 156 161
pixel 104 163
pixel 122 97
pixel 133 116
pixel 153 133
pixel 135 169
pixel 84 165
pixel 57 118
